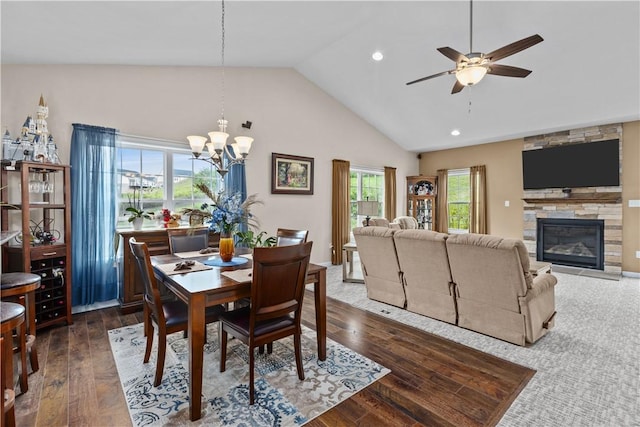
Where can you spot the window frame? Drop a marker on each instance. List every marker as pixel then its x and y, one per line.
pixel 450 173
pixel 360 170
pixel 168 149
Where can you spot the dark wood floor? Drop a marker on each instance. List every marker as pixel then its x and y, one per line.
pixel 433 381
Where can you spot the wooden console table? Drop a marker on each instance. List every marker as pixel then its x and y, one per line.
pixel 348 273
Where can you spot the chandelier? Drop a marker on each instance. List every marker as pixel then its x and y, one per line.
pixel 218 147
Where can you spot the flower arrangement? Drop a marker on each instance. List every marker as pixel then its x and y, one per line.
pixel 134 210
pixel 228 210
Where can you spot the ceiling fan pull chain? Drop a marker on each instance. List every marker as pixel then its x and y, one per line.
pixel 469 112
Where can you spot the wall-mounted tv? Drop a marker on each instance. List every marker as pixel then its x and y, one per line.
pixel 593 164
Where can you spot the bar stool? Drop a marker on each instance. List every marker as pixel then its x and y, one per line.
pixel 21 288
pixel 12 316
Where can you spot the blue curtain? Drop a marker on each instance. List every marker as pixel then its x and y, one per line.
pixel 236 182
pixel 93 214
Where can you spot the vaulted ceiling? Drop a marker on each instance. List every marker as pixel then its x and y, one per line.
pixel 585 72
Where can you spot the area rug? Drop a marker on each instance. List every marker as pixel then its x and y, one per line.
pixel 281 398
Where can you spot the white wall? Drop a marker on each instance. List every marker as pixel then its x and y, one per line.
pixel 290 115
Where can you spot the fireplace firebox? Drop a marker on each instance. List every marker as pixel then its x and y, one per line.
pixel 572 242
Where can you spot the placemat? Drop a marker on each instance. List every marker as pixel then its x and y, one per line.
pixel 241 276
pixel 217 262
pixel 169 269
pixel 193 254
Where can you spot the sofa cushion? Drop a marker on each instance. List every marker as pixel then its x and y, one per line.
pixel 488 269
pixel 380 266
pixel 406 222
pixel 422 255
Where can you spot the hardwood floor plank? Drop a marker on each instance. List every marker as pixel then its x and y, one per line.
pixel 82 398
pixel 54 401
pixel 112 406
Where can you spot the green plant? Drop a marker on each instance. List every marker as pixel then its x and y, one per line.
pixel 134 210
pixel 249 239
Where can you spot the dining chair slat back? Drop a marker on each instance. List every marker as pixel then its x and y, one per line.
pixel 286 237
pixel 188 239
pixel 277 291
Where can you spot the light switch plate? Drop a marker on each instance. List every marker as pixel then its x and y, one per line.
pixel 506 203
pixel 634 203
pixel 637 254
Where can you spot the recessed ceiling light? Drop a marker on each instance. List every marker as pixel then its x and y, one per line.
pixel 455 132
pixel 377 55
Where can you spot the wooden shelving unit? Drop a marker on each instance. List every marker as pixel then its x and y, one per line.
pixel 46 210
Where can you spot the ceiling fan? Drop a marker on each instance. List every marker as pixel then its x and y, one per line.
pixel 473 66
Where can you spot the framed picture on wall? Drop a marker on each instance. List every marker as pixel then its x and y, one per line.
pixel 291 174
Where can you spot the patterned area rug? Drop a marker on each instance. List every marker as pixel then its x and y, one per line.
pixel 281 398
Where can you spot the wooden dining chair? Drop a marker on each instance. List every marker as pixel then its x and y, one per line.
pixel 279 275
pixel 168 316
pixel 187 239
pixel 286 237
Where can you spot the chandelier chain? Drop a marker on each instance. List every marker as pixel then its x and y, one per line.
pixel 222 56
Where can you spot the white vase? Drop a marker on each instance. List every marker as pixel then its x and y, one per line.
pixel 137 223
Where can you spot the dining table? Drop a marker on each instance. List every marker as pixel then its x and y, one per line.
pixel 205 288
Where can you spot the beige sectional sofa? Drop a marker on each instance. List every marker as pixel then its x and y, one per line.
pixel 475 281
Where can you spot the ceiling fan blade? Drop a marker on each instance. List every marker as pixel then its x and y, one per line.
pixel 457 87
pixel 513 48
pixel 507 71
pixel 430 77
pixel 452 54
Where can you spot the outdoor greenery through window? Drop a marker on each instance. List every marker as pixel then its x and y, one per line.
pixel 458 199
pixel 163 175
pixel 366 185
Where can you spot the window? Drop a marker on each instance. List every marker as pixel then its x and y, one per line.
pixel 162 174
pixel 458 199
pixel 366 184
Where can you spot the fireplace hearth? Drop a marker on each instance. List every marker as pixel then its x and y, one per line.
pixel 572 242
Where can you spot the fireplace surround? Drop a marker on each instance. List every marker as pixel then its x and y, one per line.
pixel 587 203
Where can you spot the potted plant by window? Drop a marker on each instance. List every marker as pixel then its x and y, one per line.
pixel 136 214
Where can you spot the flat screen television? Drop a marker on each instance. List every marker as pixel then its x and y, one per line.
pixel 593 164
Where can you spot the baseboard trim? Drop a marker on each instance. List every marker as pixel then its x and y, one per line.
pixel 631 274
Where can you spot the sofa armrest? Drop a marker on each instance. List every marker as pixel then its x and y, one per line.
pixel 395 226
pixel 541 284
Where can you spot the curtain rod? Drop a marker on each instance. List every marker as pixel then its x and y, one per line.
pixel 151 138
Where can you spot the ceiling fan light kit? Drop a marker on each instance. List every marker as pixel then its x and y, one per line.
pixel 472 67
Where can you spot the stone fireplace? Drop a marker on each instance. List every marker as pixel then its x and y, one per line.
pixel 589 203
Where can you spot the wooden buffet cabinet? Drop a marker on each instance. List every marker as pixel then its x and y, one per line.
pixel 131 287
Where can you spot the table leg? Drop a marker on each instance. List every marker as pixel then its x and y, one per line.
pixel 31 329
pixel 345 256
pixel 196 348
pixel 320 293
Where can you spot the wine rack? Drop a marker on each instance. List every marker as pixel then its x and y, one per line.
pixel 51 298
